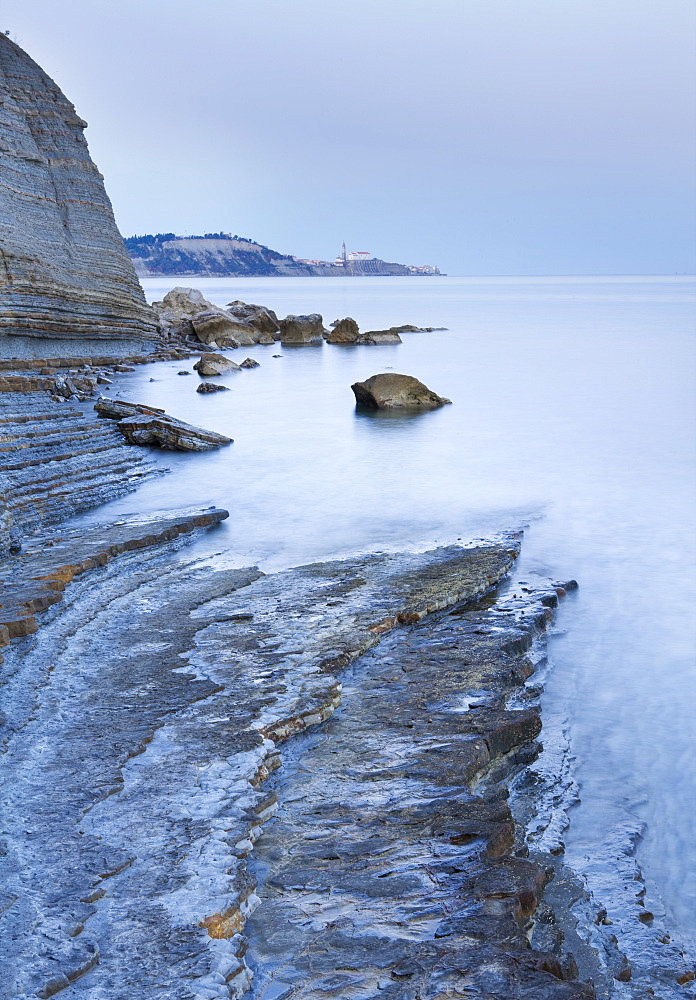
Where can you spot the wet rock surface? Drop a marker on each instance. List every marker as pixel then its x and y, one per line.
pixel 157 693
pixel 390 869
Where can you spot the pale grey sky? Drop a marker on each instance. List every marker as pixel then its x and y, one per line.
pixel 485 136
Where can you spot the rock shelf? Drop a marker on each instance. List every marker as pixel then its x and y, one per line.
pixel 55 462
pixel 158 695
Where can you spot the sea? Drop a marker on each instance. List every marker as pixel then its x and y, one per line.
pixel 573 418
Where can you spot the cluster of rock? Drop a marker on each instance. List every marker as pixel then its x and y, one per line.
pixel 184 314
pixel 67 284
pixel 148 425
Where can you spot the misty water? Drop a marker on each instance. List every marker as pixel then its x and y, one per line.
pixel 573 416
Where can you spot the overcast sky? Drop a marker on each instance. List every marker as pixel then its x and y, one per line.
pixel 484 136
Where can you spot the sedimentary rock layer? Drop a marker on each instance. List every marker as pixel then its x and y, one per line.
pixel 54 463
pixel 67 284
pixel 157 695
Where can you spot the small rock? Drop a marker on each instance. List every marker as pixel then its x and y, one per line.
pixel 183 373
pixel 251 363
pixel 211 387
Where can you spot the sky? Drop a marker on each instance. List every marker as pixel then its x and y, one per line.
pixel 483 136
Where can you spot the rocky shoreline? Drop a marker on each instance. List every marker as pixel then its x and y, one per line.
pixel 157 674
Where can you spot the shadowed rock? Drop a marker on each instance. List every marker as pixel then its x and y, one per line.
pixel 390 391
pixel 249 363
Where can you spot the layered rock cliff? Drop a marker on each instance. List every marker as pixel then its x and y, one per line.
pixel 67 284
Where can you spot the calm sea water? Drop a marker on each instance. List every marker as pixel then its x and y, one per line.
pixel 573 414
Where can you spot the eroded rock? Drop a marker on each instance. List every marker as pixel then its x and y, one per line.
pixel 261 319
pixel 392 391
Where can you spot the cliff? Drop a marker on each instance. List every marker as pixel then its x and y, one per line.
pixel 67 284
pixel 220 255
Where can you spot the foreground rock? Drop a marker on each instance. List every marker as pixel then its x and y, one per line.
pixel 215 364
pixel 145 425
pixel 133 882
pixel 68 285
pixel 390 391
pixel 298 330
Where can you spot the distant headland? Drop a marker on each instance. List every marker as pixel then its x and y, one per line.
pixel 224 255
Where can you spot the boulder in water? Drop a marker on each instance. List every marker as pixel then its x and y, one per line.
pixel 345 331
pixel 212 387
pixel 390 391
pixel 299 330
pixel 249 363
pixel 215 364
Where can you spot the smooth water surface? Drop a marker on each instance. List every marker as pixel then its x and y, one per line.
pixel 573 413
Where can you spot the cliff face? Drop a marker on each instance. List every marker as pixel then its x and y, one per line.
pixel 67 284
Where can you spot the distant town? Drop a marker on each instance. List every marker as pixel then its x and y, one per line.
pixel 225 255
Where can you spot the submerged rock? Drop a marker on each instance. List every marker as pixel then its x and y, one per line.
pixel 212 387
pixel 345 331
pixel 380 337
pixel 302 329
pixel 392 391
pixel 215 364
pixel 249 363
pixel 143 425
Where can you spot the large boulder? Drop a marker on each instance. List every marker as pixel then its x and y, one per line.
pixel 261 319
pixel 344 331
pixel 297 330
pixel 390 391
pixel 215 364
pixel 214 326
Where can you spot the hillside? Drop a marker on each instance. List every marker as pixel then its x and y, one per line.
pixel 222 255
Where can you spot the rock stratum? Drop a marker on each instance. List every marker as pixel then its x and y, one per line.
pixel 67 284
pixel 159 692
